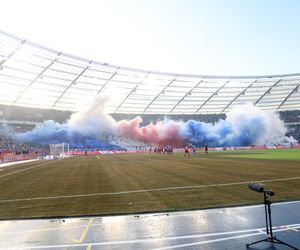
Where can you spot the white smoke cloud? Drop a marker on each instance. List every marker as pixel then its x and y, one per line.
pixel 92 119
pixel 245 125
pixel 267 125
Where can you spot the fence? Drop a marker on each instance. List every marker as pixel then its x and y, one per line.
pixel 9 156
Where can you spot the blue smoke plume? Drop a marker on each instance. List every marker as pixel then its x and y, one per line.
pixel 244 125
pixel 51 132
pixel 91 128
pixel 222 133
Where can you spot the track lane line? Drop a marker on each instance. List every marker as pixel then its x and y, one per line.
pixel 123 242
pixel 84 233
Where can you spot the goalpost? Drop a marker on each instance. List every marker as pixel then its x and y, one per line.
pixel 60 150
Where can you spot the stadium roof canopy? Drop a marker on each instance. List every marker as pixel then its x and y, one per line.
pixel 34 76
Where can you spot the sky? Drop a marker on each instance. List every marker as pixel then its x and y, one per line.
pixel 205 37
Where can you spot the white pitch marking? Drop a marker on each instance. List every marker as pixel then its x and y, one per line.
pixel 138 191
pixel 14 163
pixel 24 169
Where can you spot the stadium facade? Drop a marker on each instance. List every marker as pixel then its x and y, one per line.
pixel 32 75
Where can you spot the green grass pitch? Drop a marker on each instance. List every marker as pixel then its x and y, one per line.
pixel 131 183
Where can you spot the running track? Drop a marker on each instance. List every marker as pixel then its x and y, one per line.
pixel 224 228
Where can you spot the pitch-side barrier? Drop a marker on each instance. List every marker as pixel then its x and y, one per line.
pixel 10 156
pixel 103 152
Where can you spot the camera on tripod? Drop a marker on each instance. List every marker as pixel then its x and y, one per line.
pixel 260 188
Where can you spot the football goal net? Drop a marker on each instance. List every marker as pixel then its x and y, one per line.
pixel 60 150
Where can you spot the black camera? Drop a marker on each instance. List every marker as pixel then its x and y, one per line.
pixel 258 187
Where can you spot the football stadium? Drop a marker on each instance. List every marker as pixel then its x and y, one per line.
pixel 100 156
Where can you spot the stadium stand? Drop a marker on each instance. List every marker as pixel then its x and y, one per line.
pixel 290 116
pixel 34 76
pixel 291 119
pixel 34 115
pixel 23 119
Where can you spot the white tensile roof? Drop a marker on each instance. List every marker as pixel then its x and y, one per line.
pixel 34 76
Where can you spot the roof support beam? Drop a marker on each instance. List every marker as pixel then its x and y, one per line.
pixel 188 93
pixel 213 94
pixel 159 94
pixel 241 93
pixel 132 91
pixel 268 91
pixel 37 77
pixel 287 97
pixel 73 82
pixel 108 80
pixel 12 53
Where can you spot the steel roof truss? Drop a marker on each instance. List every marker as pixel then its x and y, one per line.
pixel 37 77
pixel 73 82
pixel 159 94
pixel 288 96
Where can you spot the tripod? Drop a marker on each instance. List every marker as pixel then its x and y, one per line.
pixel 272 239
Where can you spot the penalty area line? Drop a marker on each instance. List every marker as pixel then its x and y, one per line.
pixel 24 169
pixel 143 190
